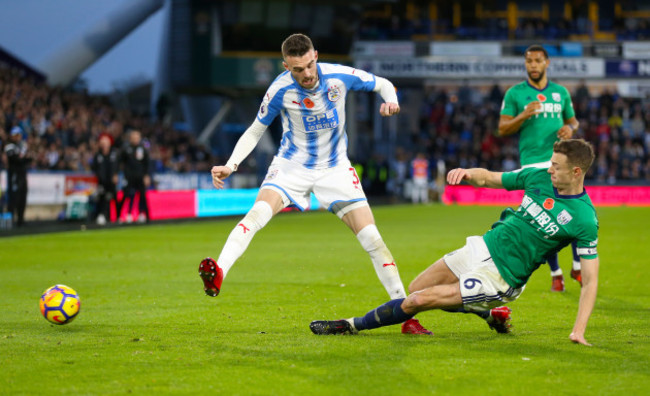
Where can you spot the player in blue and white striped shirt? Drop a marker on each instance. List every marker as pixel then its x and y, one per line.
pixel 310 99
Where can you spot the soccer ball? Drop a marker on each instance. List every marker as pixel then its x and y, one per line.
pixel 59 304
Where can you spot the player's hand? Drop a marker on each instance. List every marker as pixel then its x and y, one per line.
pixel 578 339
pixel 456 176
pixel 532 108
pixel 388 109
pixel 147 181
pixel 219 173
pixel 566 132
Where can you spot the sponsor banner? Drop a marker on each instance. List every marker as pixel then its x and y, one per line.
pixel 600 196
pixel 80 184
pixel 184 181
pixel 636 50
pixel 627 68
pixel 225 202
pixel 385 48
pixel 171 204
pixel 473 67
pixel 231 202
pixel 45 188
pixel 454 48
pixel 606 50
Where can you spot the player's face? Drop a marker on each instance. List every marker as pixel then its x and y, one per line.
pixel 536 64
pixel 563 175
pixel 303 68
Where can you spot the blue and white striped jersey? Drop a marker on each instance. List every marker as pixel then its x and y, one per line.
pixel 313 121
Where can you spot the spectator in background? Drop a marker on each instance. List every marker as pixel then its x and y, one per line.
pixel 105 167
pixel 134 161
pixel 18 160
pixel 420 174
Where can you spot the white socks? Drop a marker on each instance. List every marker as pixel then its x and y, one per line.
pixel 382 260
pixel 243 233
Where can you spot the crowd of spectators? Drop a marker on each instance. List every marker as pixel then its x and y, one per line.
pixel 460 129
pixel 454 129
pixel 62 127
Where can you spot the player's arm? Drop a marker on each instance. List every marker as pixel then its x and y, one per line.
pixel 509 125
pixel 386 90
pixel 568 129
pixel 589 269
pixel 478 177
pixel 244 146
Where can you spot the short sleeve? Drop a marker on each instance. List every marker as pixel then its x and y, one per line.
pixel 567 106
pixel 516 180
pixel 509 106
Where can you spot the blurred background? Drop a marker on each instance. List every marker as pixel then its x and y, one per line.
pixel 190 75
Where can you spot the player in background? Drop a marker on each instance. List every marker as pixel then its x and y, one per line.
pixel 310 98
pixel 420 175
pixel 492 270
pixel 542 112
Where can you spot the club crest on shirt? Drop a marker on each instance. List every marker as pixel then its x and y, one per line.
pixel 333 93
pixel 564 217
pixel 556 96
pixel 272 174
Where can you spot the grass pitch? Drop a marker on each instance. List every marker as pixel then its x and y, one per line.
pixel 146 326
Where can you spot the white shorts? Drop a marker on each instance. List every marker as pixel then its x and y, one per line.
pixel 338 189
pixel 481 285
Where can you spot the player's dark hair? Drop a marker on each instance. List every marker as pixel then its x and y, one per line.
pixel 536 48
pixel 579 152
pixel 296 45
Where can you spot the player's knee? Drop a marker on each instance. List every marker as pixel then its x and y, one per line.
pixel 259 215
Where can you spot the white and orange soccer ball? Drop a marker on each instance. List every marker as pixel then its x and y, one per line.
pixel 60 304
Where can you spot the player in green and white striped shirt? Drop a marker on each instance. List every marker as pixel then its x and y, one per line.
pixel 492 270
pixel 542 112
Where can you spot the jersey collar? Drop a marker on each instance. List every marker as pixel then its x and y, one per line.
pixel 537 89
pixel 558 195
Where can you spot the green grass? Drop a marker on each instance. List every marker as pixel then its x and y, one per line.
pixel 146 327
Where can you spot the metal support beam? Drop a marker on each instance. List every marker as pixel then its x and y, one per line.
pixel 214 122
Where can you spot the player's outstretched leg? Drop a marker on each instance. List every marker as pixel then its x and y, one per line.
pixel 212 276
pixel 499 319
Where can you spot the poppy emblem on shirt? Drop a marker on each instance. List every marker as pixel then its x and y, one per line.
pixel 333 93
pixel 541 97
pixel 549 203
pixel 308 103
pixel 556 96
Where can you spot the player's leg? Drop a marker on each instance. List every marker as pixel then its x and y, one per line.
pixel 395 311
pixel 267 205
pixel 362 224
pixel 557 279
pixel 576 269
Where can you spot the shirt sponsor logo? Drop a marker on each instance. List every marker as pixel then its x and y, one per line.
pixel 543 219
pixel 327 120
pixel 333 93
pixel 556 96
pixel 564 217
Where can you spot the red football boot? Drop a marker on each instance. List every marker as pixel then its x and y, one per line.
pixel 577 275
pixel 413 326
pixel 499 319
pixel 557 284
pixel 212 276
